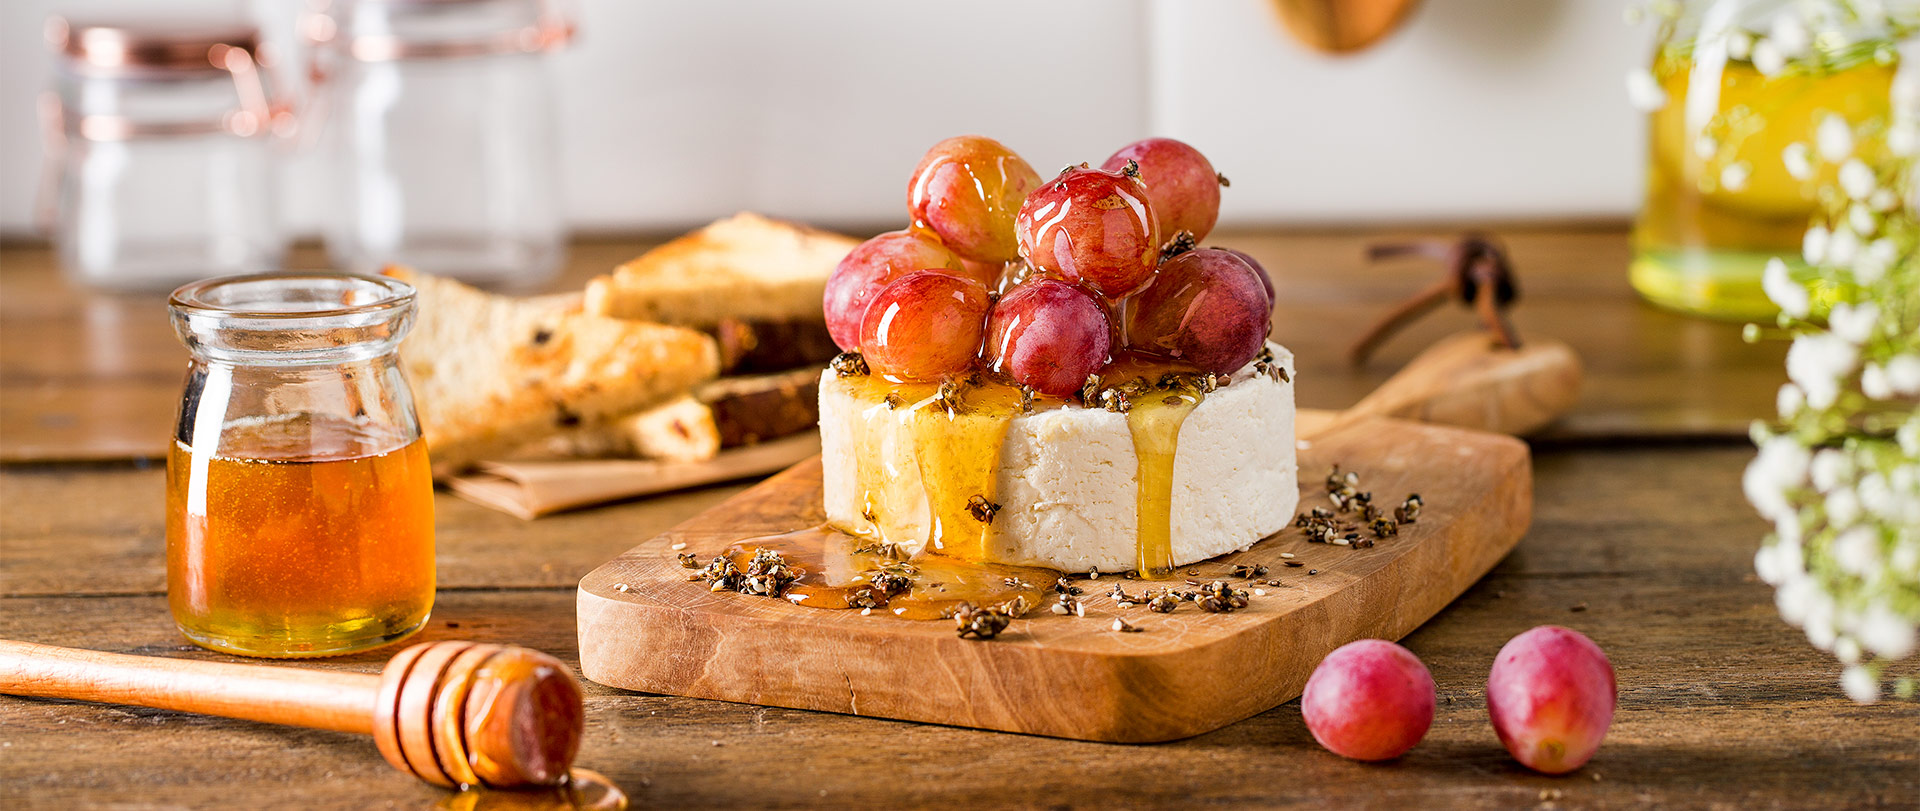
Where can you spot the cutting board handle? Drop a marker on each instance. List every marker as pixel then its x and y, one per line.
pixel 1468 380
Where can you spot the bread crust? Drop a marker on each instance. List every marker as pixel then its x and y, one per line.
pixel 491 373
pixel 747 268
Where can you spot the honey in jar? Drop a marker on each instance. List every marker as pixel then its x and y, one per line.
pixel 299 495
pixel 290 543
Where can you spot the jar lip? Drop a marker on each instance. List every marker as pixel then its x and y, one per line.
pixel 360 295
pixel 153 45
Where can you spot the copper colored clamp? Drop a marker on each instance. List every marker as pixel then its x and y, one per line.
pixel 1479 275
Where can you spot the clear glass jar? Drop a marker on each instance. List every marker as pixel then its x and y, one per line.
pixel 299 497
pixel 160 162
pixel 440 138
pixel 1740 91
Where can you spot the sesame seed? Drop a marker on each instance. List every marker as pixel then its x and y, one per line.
pixel 679 546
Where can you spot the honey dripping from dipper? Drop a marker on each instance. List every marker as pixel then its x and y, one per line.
pixel 583 790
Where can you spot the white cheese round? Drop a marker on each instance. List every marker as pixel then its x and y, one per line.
pixel 1067 480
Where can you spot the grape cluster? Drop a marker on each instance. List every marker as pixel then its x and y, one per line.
pixel 1045 281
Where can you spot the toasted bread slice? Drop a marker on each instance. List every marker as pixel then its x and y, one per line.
pixel 724 413
pixel 747 410
pixel 681 430
pixel 492 373
pixel 762 347
pixel 747 268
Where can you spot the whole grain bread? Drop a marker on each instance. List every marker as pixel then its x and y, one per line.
pixel 747 410
pixel 492 373
pixel 762 347
pixel 746 268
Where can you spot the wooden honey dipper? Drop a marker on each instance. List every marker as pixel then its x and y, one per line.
pixel 454 714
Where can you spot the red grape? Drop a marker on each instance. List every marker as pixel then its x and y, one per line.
pixel 1205 307
pixel 1551 695
pixel 1048 335
pixel 1093 227
pixel 1183 186
pixel 924 326
pixel 967 189
pixel 1369 700
pixel 870 267
pixel 1266 281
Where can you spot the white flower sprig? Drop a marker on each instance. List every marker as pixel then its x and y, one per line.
pixel 1839 473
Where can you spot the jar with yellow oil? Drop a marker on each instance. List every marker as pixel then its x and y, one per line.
pixel 1742 96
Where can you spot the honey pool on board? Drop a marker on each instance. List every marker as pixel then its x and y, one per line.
pixel 303 536
pixel 837 570
pixel 1699 244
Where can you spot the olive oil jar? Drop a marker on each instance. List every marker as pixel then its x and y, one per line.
pixel 1738 94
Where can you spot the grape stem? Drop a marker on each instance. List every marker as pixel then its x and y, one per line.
pixel 1478 274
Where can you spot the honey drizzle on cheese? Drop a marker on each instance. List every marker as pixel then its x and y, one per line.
pixel 954 442
pixel 1155 420
pixel 882 450
pixel 957 444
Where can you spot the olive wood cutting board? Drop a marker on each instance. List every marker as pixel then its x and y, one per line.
pixel 644 626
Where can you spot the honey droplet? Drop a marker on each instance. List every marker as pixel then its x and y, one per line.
pixel 584 790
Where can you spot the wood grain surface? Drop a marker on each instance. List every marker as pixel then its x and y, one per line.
pixel 645 626
pixel 1646 547
pixel 1721 704
pixel 94 376
pixel 1469 380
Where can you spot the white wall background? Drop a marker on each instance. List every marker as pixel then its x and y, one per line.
pixel 674 112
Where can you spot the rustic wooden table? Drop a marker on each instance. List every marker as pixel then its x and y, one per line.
pixel 1641 539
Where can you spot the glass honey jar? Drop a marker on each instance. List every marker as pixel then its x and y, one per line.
pixel 1738 95
pixel 299 498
